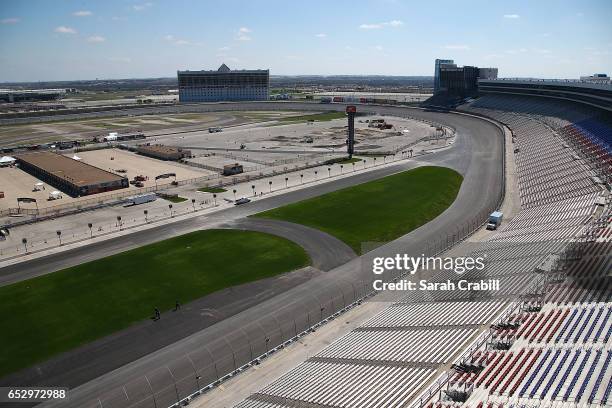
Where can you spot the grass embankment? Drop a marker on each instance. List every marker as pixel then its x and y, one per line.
pixel 50 314
pixel 343 160
pixel 212 190
pixel 319 117
pixel 377 211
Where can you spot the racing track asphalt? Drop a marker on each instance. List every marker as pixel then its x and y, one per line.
pixel 477 154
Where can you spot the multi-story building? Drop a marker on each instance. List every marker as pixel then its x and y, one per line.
pixel 439 64
pixel 458 81
pixel 453 80
pixel 224 84
pixel 487 73
pixel 30 95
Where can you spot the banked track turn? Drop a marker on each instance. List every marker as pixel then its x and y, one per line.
pixel 477 155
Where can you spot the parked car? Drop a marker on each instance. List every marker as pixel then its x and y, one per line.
pixel 242 200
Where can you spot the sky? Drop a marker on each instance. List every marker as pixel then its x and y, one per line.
pixel 43 40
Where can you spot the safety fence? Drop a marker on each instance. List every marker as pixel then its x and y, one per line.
pixel 76 235
pixel 216 359
pixel 210 363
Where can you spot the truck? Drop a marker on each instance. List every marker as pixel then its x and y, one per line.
pixel 141 199
pixel 495 220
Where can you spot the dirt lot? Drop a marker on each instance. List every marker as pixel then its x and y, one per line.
pixel 292 139
pixel 115 160
pixel 86 129
pixel 15 182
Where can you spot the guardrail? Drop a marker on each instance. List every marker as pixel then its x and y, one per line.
pixel 209 364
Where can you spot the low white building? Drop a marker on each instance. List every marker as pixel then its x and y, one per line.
pixel 6 161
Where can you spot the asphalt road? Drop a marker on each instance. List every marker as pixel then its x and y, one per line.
pixel 326 252
pixel 477 154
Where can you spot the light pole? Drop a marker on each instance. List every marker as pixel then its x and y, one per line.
pixel 170 208
pixel 374 161
pixel 215 199
pixel 301 179
pixel 119 222
pixel 353 167
pixel 286 182
pixel 24 241
pixel 146 212
pixel 59 236
pixel 90 225
pixel 364 163
pixel 234 194
pixel 253 187
pixel 270 183
pixel 316 175
pixel 193 203
pixel 341 168
pixel 329 172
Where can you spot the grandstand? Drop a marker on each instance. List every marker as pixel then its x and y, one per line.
pixel 543 339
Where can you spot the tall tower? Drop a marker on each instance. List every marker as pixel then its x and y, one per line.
pixel 439 63
pixel 350 142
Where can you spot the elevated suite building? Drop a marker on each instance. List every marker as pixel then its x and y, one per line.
pixel 224 84
pixel 594 94
pixel 71 176
pixel 31 95
pixel 438 66
pixel 453 80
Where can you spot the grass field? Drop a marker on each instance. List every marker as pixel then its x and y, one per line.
pixel 377 211
pixel 44 316
pixel 176 199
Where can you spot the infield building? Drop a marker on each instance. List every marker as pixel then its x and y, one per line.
pixel 71 176
pixel 224 84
